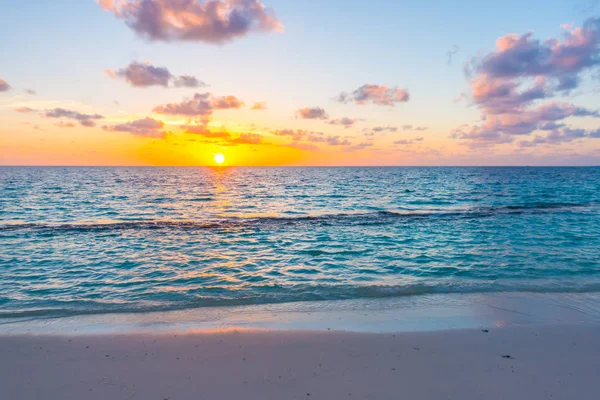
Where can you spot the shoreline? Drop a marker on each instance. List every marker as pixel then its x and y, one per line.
pixel 430 312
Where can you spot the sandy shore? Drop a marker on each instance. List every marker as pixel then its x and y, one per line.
pixel 530 362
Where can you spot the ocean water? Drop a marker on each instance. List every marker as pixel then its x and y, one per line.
pixel 99 240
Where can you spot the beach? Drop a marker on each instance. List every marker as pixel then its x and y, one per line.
pixel 497 346
pixel 528 362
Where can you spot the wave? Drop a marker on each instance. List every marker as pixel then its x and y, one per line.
pixel 357 218
pixel 300 293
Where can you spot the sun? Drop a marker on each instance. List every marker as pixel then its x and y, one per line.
pixel 219 158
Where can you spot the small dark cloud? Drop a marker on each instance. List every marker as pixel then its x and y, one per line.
pixel 87 120
pixel 376 94
pixel 147 127
pixel 388 128
pixel 358 147
pixel 312 113
pixel 408 141
pixel 345 122
pixel 451 53
pixel 188 81
pixel 25 110
pixel 146 75
pixel 62 124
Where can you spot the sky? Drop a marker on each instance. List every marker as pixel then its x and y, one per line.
pixel 287 82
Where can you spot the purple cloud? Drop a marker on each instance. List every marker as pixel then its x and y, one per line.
pixel 357 147
pixel 145 75
pixel 345 122
pixel 209 21
pixel 556 137
pixel 377 94
pixel 298 135
pixel 312 113
pixel 83 119
pixel 146 127
pixel 388 128
pixel 407 141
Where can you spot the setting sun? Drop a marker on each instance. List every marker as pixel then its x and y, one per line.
pixel 219 158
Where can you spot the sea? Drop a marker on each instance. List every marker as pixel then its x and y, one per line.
pixel 98 240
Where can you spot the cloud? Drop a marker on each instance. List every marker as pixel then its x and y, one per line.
pixel 84 119
pixel 359 146
pixel 336 141
pixel 345 122
pixel 4 86
pixel 146 127
pixel 62 124
pixel 377 94
pixel 202 104
pixel 414 128
pixel 204 131
pixel 303 146
pixel 407 141
pixel 298 135
pixel 514 85
pixel 295 134
pixel 258 106
pixel 146 75
pixel 30 92
pixel 248 138
pixel 209 21
pixel 25 110
pixel 188 81
pixel 519 56
pixel 388 128
pixel 312 113
pixel 565 135
pixel 451 53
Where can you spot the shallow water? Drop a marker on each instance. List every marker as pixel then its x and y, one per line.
pixel 95 240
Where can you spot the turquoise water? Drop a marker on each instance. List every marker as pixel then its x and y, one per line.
pixel 97 240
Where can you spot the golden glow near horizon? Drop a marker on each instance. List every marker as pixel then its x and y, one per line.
pixel 219 158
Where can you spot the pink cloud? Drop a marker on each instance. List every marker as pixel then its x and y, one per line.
pixel 4 86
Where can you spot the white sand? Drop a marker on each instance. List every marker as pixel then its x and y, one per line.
pixel 546 362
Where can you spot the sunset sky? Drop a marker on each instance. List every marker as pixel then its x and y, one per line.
pixel 286 82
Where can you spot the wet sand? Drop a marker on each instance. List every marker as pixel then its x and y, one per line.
pixel 558 361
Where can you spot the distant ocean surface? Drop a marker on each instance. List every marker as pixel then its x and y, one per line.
pixel 98 240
